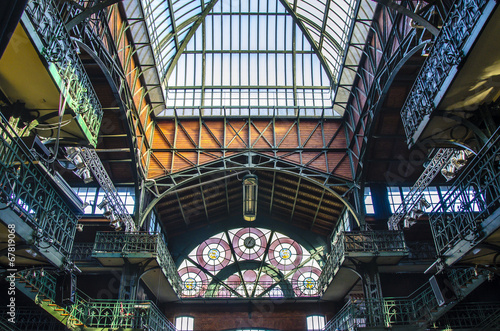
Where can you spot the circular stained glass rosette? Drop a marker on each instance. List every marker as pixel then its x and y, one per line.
pixel 194 282
pixel 249 243
pixel 213 254
pixel 305 281
pixel 285 254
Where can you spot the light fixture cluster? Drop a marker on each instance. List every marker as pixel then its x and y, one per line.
pixel 110 214
pixel 416 212
pixel 81 169
pixel 456 163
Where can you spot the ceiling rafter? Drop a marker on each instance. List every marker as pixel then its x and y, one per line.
pixel 314 46
pixel 186 40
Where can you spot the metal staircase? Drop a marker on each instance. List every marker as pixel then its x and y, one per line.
pixel 42 290
pixel 415 312
pixel 91 314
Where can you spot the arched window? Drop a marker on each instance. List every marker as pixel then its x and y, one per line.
pixel 184 323
pixel 315 322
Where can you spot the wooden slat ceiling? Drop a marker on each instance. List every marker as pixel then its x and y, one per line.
pixel 281 197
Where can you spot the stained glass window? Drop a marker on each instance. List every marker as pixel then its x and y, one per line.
pixel 250 262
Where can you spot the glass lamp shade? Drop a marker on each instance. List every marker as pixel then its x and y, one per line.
pixel 250 186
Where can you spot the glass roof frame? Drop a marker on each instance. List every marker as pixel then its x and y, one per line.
pixel 174 24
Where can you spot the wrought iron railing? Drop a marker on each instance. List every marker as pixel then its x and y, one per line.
pixel 134 314
pixel 359 242
pixel 447 53
pixel 421 250
pixel 473 197
pixel 352 316
pixel 99 313
pixel 30 318
pixel 58 50
pixel 139 242
pixel 419 307
pixel 25 189
pixel 82 252
pixel 471 316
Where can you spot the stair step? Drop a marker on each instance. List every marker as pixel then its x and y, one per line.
pixel 46 300
pixel 59 309
pixel 64 314
pixel 52 305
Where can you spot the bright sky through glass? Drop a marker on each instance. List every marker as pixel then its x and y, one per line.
pixel 249 57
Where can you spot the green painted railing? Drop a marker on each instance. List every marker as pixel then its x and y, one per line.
pixel 138 243
pixel 90 313
pixel 450 49
pixel 419 307
pixel 135 314
pixel 25 189
pixel 370 242
pixel 28 318
pixel 56 46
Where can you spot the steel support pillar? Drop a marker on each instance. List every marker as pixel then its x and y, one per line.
pixel 372 290
pixel 129 281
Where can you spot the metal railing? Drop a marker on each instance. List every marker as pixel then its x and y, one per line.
pixel 25 189
pixel 82 252
pixel 473 197
pixel 352 316
pixel 447 52
pixel 359 242
pixel 139 242
pixel 58 50
pixel 421 250
pixel 100 313
pixel 419 307
pixel 30 318
pixel 134 314
pixel 476 315
pixel 441 157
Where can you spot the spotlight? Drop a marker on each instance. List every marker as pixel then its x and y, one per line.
pixel 79 227
pixel 447 174
pixel 112 218
pixel 87 176
pixel 424 204
pixel 408 222
pixel 108 212
pixel 103 203
pixel 117 226
pixel 78 161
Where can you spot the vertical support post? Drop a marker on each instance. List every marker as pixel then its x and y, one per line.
pixel 372 290
pixel 129 281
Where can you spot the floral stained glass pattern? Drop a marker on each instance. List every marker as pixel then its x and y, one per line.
pixel 250 262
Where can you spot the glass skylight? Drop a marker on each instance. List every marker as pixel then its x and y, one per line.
pixel 249 57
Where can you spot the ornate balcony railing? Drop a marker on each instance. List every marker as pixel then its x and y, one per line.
pixel 29 318
pixel 56 46
pixel 468 203
pixel 448 51
pixel 421 250
pixel 369 242
pixel 143 315
pixel 25 189
pixel 82 252
pixel 352 316
pixel 139 242
pixel 420 307
pixel 471 316
pixel 90 313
